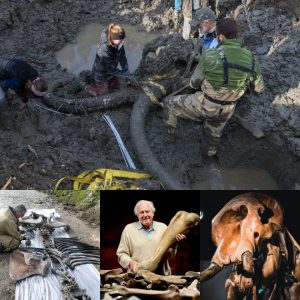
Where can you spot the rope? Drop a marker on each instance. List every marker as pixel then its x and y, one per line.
pixel 103 179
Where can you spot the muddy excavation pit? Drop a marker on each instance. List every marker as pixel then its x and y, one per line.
pixel 47 141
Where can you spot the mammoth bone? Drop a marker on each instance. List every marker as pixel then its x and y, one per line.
pixel 249 233
pixel 247 227
pixel 182 223
pixel 24 263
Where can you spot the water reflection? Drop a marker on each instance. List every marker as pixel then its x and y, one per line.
pixel 80 54
pixel 243 179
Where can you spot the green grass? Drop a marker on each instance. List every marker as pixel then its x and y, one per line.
pixel 80 199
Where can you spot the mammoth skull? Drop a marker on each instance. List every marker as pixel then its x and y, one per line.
pixel 241 229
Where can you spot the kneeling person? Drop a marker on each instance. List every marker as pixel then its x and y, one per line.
pixel 10 236
pixel 110 52
pixel 20 77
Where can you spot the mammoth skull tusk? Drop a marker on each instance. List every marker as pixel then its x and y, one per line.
pixel 210 272
pixel 248 264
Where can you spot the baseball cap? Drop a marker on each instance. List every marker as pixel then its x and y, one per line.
pixel 201 15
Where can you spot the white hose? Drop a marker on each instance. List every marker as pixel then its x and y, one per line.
pixel 128 160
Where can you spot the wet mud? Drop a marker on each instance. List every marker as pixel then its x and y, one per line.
pixel 67 143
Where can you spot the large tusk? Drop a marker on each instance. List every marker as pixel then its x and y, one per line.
pixel 248 264
pixel 182 223
pixel 210 272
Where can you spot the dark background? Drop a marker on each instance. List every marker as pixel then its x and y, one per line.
pixel 211 203
pixel 116 211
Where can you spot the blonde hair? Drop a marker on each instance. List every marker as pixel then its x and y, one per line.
pixel 114 29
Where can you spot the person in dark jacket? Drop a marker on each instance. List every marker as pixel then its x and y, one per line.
pixel 18 76
pixel 110 53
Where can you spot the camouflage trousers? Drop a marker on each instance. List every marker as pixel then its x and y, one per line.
pixel 197 108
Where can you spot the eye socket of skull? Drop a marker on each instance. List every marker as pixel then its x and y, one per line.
pixel 243 224
pixel 233 216
pixel 265 213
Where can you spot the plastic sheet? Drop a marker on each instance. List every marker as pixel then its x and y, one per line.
pixel 48 287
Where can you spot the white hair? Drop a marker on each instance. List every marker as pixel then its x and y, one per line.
pixel 150 203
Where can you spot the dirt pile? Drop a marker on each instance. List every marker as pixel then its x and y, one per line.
pixel 272 32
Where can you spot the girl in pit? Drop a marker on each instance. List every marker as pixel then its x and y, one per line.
pixel 110 52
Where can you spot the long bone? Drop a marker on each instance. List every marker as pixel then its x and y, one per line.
pixel 181 223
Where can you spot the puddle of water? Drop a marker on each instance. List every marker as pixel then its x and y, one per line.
pixel 243 179
pixel 80 54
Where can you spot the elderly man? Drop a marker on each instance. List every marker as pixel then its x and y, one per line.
pixel 140 239
pixel 223 74
pixel 10 236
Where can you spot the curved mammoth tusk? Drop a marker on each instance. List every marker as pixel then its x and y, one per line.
pixel 210 272
pixel 248 264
